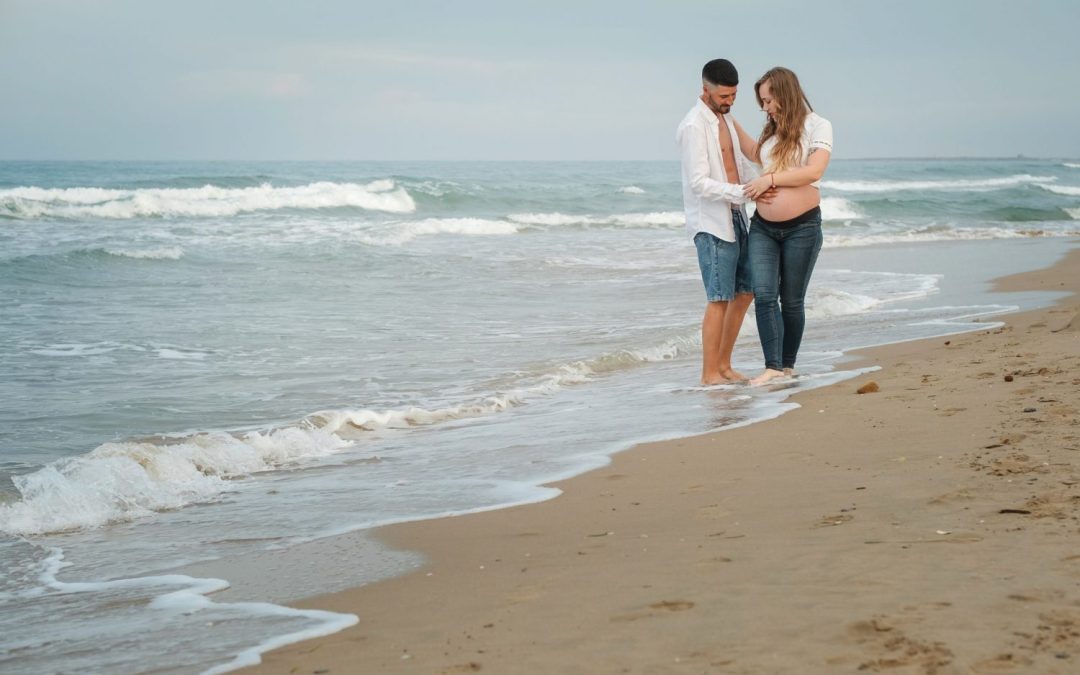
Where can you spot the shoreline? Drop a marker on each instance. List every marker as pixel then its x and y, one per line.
pixel 677 555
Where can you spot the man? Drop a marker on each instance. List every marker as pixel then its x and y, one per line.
pixel 713 170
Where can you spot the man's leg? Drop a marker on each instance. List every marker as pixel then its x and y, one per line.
pixel 744 295
pixel 712 332
pixel 733 320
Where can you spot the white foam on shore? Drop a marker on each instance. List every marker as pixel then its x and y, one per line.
pixel 124 481
pixel 178 594
pixel 85 202
pixel 947 185
pixel 827 302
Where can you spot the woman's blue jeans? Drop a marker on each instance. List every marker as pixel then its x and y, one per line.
pixel 781 262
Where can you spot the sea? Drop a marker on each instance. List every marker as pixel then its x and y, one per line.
pixel 216 378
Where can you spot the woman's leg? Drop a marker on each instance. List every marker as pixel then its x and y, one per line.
pixel 765 274
pixel 798 255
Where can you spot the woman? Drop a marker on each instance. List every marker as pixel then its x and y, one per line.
pixel 785 233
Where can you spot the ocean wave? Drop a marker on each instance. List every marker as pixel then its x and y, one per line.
pixel 946 185
pixel 1073 213
pixel 124 481
pixel 396 234
pixel 828 302
pixel 206 201
pixel 1071 165
pixel 166 253
pixel 91 349
pixel 1070 190
pixel 940 233
pixel 837 208
pixel 632 190
pixel 661 219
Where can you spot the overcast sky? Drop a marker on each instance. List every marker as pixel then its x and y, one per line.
pixel 403 79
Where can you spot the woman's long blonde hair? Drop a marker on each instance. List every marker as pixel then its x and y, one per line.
pixel 788 127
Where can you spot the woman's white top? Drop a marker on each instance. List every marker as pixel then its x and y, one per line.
pixel 817 133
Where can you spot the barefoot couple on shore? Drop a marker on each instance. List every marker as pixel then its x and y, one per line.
pixel 771 258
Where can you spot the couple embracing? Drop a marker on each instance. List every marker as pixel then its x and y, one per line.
pixel 769 259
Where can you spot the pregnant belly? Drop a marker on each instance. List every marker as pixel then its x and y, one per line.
pixel 790 202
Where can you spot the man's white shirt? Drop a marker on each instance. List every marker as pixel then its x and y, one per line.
pixel 708 193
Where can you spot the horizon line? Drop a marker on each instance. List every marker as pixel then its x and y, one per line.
pixel 1020 157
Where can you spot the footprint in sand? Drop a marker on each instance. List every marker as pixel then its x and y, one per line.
pixel 891 648
pixel 838 519
pixel 657 609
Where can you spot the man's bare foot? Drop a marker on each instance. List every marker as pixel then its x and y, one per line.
pixel 733 375
pixel 713 380
pixel 767 376
pixel 790 372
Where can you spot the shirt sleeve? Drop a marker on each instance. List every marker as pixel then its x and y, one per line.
pixel 821 135
pixel 693 146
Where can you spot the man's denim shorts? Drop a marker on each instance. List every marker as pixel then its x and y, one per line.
pixel 725 265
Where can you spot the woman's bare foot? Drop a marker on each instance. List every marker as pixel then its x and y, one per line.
pixel 768 376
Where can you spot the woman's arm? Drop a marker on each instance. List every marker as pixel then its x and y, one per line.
pixel 796 177
pixel 748 144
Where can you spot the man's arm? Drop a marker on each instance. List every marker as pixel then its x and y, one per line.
pixel 695 159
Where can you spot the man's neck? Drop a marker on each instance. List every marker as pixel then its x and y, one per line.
pixel 719 115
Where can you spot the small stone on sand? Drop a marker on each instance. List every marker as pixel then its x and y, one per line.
pixel 868 388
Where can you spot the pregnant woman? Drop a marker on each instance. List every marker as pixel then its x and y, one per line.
pixel 785 233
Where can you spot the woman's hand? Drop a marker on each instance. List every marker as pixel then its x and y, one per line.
pixel 758 186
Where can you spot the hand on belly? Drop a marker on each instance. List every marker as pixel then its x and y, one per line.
pixel 789 202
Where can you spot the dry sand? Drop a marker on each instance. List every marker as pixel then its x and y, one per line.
pixel 928 527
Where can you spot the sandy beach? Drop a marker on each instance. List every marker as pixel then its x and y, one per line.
pixel 928 526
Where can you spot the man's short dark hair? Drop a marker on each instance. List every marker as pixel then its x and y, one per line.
pixel 720 72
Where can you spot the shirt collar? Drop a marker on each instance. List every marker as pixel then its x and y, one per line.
pixel 707 113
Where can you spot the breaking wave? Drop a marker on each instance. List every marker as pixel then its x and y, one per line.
pixel 87 202
pixel 948 185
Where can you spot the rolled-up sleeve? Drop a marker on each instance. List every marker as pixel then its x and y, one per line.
pixel 821 135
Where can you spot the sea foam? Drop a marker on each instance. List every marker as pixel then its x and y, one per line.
pixel 837 208
pixel 118 482
pixel 947 185
pixel 1070 190
pixel 166 253
pixel 123 481
pixel 556 219
pixel 396 234
pixel 206 201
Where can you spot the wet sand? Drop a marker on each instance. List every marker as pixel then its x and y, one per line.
pixel 930 526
